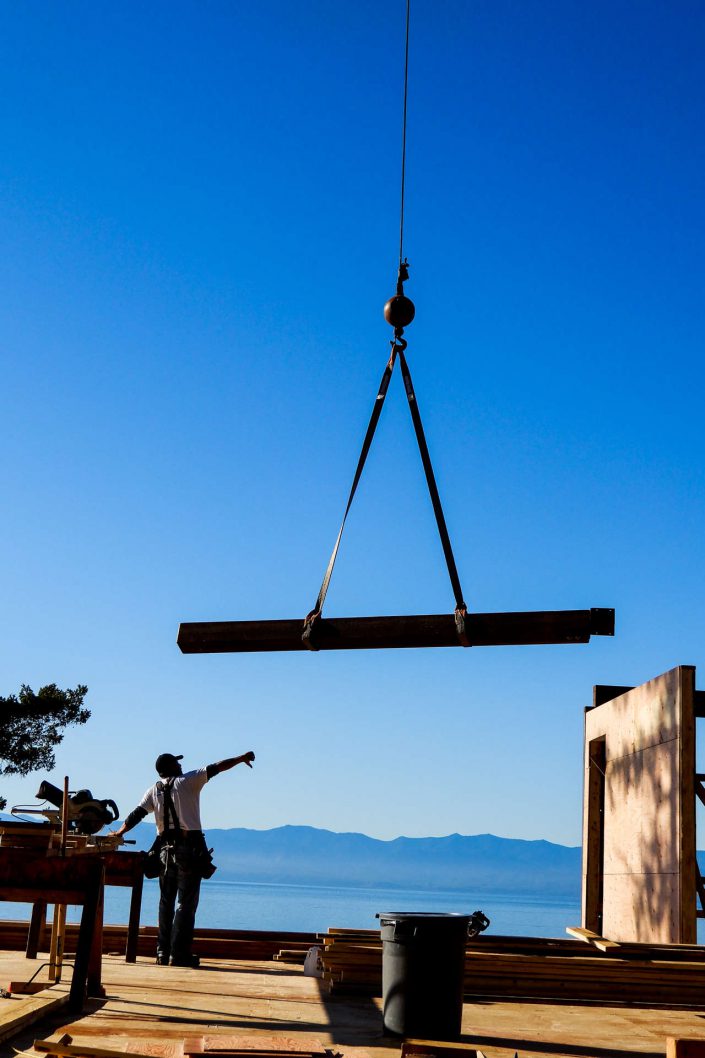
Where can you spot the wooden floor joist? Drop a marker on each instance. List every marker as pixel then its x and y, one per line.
pixel 430 630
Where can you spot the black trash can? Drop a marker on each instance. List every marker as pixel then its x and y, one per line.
pixel 423 963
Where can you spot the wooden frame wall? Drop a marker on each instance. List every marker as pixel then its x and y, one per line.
pixel 639 868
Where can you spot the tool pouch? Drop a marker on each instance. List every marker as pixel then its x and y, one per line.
pixel 206 865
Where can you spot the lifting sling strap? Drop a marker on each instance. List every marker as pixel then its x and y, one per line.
pixel 398 346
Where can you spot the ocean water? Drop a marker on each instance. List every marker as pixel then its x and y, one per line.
pixel 312 908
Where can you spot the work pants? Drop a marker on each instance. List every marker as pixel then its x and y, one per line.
pixel 180 884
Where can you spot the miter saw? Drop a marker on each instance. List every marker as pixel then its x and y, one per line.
pixel 85 815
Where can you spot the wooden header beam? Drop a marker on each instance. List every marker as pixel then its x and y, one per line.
pixel 602 693
pixel 365 633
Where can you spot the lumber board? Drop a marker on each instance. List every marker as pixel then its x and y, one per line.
pixel 429 630
pixel 83 1050
pixel 30 1009
pixel 587 935
pixel 438 1049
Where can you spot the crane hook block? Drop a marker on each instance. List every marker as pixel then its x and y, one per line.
pixel 399 311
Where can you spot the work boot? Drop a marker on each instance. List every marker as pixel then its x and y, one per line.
pixel 191 960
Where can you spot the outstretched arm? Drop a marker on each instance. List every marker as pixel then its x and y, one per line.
pixel 230 762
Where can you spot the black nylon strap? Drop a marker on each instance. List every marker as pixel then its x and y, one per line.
pixel 431 482
pixel 372 426
pixel 398 346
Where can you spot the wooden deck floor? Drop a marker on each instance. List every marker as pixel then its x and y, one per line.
pixel 152 1004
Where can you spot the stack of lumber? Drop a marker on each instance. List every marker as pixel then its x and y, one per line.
pixel 352 961
pixel 19 835
pixel 537 968
pixel 208 943
pixel 653 979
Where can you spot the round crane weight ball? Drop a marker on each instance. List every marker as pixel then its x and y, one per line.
pixel 399 311
pixel 423 964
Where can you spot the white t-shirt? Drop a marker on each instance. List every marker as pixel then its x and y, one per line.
pixel 186 795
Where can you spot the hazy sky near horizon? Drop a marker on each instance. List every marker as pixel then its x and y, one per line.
pixel 199 224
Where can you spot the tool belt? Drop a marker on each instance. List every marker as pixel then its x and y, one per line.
pixel 176 847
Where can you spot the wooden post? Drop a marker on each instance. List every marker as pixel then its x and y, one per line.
pixel 56 948
pixel 60 941
pixel 594 836
pixel 95 961
pixel 64 816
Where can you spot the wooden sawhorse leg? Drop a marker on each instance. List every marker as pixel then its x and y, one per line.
pixel 133 925
pixel 35 933
pixel 85 962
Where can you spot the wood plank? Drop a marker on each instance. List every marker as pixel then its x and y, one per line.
pixel 431 630
pixel 439 1049
pixel 587 935
pixel 30 1009
pixel 83 1050
pixel 261 1043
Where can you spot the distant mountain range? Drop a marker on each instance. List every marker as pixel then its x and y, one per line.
pixel 304 854
pixel 293 855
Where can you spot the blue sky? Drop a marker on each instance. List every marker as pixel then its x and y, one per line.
pixel 199 223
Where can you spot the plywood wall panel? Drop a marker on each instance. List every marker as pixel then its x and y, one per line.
pixel 649 906
pixel 641 812
pixel 646 877
pixel 645 716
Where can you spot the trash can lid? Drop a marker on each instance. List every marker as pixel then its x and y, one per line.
pixel 425 916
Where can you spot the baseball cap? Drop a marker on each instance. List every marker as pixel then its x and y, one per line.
pixel 166 764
